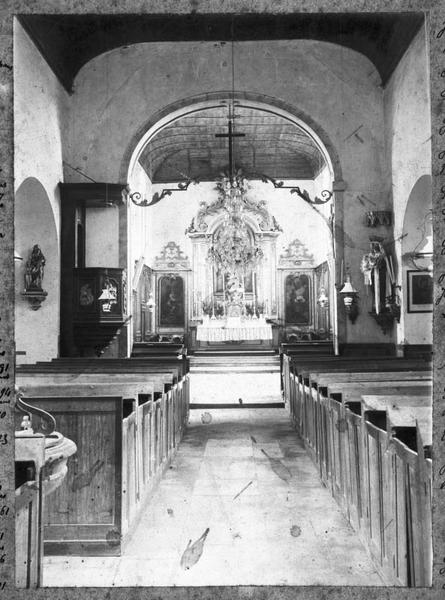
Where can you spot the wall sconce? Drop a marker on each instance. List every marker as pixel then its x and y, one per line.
pixel 323 300
pixel 108 296
pixel 349 295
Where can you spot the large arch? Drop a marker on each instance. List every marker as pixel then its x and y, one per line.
pixel 261 101
pixel 180 108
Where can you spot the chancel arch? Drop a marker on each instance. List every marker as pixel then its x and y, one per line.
pixel 155 168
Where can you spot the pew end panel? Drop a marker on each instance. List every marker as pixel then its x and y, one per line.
pixel 29 462
pixel 83 516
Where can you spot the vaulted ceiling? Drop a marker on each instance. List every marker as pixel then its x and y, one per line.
pixel 69 41
pixel 188 147
pixel 270 145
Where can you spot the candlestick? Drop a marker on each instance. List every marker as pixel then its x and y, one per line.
pixel 377 290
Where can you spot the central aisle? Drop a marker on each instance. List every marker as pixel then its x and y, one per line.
pixel 247 478
pixel 284 528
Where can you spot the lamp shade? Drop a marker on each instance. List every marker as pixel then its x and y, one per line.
pixel 106 295
pixel 348 287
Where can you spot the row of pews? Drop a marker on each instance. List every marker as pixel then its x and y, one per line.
pixel 367 424
pixel 127 417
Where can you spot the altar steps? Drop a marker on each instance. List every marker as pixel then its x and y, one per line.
pixel 234 362
pixel 224 351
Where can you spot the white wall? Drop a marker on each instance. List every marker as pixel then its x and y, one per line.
pixel 116 95
pixel 171 217
pixel 39 116
pixel 408 126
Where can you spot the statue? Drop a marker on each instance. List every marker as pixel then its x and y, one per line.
pixel 235 289
pixel 34 270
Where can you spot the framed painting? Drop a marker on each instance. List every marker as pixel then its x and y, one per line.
pixel 171 293
pixel 297 294
pixel 420 291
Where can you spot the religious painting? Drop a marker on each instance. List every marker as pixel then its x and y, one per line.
pixel 297 309
pixel 420 291
pixel 171 295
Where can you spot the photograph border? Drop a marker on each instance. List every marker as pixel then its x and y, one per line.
pixel 435 22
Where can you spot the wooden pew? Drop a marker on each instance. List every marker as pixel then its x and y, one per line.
pixel 138 449
pixel 307 390
pixel 155 382
pixel 302 366
pixel 332 449
pixel 181 361
pixel 397 484
pixel 375 469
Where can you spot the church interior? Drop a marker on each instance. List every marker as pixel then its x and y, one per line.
pixel 223 301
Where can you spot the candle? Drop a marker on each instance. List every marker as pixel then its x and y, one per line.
pixel 341 272
pixel 377 290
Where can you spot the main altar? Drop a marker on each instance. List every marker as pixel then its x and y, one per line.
pixel 234 287
pixel 233 329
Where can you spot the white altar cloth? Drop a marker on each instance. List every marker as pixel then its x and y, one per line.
pixel 231 330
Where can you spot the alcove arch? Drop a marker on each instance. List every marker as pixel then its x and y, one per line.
pixel 36 330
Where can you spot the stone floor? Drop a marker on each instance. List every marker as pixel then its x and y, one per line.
pixel 229 387
pixel 246 477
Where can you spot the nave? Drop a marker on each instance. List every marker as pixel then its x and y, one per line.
pixel 247 477
pixel 265 195
pixel 195 464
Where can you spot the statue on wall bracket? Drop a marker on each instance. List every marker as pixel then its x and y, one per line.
pixel 34 271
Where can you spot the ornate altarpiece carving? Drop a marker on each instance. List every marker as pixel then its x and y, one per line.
pixel 259 281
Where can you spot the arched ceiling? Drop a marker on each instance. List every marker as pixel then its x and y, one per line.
pixel 69 41
pixel 271 145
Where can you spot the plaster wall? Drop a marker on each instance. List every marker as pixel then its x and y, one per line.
pixel 408 126
pixel 39 115
pixel 339 89
pixel 139 217
pixel 171 217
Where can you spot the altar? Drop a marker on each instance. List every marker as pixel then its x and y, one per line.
pixel 233 329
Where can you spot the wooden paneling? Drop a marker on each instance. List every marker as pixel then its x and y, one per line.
pixel 86 506
pixel 371 455
pixel 29 450
pixel 118 461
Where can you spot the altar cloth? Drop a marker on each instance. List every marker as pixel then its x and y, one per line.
pixel 221 331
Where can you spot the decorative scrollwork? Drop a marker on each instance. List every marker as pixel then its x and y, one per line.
pixel 136 197
pixel 326 195
pixel 47 421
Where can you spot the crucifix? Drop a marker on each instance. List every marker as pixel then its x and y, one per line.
pixel 230 134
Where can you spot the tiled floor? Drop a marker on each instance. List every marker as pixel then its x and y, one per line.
pixel 247 478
